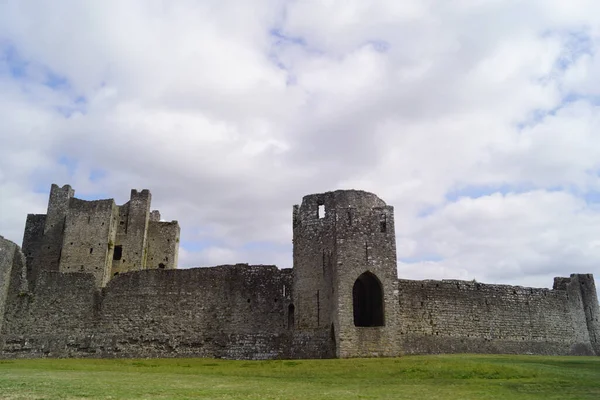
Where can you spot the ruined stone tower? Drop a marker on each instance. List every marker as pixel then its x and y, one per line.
pixel 98 237
pixel 345 276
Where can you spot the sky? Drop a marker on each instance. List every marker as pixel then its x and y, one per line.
pixel 479 121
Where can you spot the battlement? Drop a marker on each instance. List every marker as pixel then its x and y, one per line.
pixel 66 191
pixel 143 195
pixel 155 216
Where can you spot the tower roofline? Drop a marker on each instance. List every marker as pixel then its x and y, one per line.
pixel 344 198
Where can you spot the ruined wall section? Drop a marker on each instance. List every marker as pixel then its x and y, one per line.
pixel 7 255
pixel 57 319
pixel 13 281
pixel 90 230
pixel 199 301
pixel 42 240
pixel 589 298
pixel 469 317
pixel 154 216
pixel 314 260
pixel 233 311
pixel 32 244
pixel 61 308
pixel 62 304
pixel 163 245
pixel 131 238
pixel 58 205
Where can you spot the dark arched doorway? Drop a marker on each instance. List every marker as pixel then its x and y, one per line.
pixel 367 299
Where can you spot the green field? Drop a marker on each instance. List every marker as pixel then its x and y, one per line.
pixel 414 377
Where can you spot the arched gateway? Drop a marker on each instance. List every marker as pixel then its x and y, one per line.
pixel 367 301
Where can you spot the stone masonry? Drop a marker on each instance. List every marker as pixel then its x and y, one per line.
pixel 98 280
pixel 98 237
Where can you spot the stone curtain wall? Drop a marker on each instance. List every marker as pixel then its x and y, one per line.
pixel 236 311
pixel 470 317
pixel 62 308
pixel 221 300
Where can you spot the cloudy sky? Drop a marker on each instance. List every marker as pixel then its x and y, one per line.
pixel 479 121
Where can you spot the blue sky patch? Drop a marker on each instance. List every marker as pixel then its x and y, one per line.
pixel 28 72
pixel 70 163
pixel 380 46
pixel 283 39
pixel 97 175
pixel 17 66
pixel 56 82
pixel 578 43
pixel 426 211
pixel 476 191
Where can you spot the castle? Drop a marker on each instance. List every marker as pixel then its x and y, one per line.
pixel 99 280
pixel 98 237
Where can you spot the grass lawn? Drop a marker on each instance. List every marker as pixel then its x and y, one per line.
pixel 411 377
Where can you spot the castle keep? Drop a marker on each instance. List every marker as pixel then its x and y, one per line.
pixel 98 237
pixel 98 280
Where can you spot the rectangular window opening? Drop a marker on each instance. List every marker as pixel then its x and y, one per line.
pixel 321 211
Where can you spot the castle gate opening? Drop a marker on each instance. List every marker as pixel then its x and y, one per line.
pixel 367 300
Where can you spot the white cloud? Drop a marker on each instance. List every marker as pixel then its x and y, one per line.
pixel 506 238
pixel 231 112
